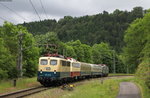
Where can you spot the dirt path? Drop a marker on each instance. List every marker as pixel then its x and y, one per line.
pixel 128 90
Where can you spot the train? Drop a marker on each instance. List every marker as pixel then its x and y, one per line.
pixel 54 68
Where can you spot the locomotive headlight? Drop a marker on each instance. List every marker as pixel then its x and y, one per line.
pixel 41 71
pixel 54 71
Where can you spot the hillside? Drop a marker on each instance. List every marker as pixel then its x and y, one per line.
pixel 102 27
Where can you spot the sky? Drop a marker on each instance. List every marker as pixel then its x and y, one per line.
pixel 19 11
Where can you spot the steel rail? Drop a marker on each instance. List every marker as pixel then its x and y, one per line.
pixel 24 92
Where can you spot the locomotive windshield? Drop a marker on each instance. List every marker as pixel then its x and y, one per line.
pixel 53 62
pixel 43 62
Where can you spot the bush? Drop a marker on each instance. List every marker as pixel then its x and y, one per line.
pixel 143 72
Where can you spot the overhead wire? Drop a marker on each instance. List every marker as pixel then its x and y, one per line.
pixel 43 9
pixel 13 11
pixel 3 19
pixel 35 10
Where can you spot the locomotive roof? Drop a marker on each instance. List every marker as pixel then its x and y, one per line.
pixel 51 58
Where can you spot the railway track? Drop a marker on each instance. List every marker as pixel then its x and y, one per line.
pixel 24 92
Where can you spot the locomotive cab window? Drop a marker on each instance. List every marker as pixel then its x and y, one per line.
pixel 43 62
pixel 53 62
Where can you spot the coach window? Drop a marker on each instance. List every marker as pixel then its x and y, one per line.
pixel 44 62
pixel 53 62
pixel 77 65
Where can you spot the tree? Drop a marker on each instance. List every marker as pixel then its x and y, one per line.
pixel 7 67
pixel 93 29
pixel 135 39
pixel 45 40
pixel 40 27
pixel 102 54
pixel 8 50
pixel 9 33
pixel 66 50
pixel 136 52
pixel 78 49
pixel 83 52
pixel 87 53
pixel 143 71
pixel 30 53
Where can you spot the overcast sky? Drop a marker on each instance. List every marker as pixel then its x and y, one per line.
pixel 22 10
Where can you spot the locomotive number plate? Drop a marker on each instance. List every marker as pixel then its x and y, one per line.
pixel 48 68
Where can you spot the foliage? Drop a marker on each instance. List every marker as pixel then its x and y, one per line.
pixel 3 53
pixel 67 50
pixel 103 54
pixel 136 52
pixel 83 51
pixel 7 52
pixel 9 41
pixel 143 72
pixel 30 54
pixel 136 39
pixel 102 27
pixel 47 42
pixel 41 27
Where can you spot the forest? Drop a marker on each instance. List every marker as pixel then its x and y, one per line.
pixel 121 36
pixel 102 27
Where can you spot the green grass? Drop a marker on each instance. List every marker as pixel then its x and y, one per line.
pixel 94 89
pixel 120 74
pixel 88 89
pixel 22 83
pixel 144 89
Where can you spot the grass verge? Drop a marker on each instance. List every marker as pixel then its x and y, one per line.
pixel 144 89
pixel 94 89
pixel 22 83
pixel 120 74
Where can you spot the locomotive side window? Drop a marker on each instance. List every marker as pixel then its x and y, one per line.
pixel 68 63
pixel 63 63
pixel 43 62
pixel 53 62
